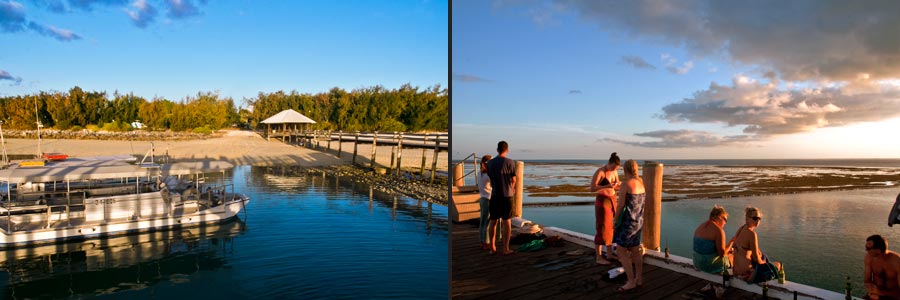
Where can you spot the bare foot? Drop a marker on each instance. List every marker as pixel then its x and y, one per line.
pixel 507 252
pixel 627 287
pixel 602 262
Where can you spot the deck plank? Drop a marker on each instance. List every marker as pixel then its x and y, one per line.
pixel 566 272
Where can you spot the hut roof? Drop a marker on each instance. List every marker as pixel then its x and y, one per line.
pixel 288 116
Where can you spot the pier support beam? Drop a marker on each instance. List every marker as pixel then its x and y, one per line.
pixel 517 200
pixel 653 177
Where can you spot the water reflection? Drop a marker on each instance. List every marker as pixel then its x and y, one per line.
pixel 116 264
pixel 287 179
pixel 308 236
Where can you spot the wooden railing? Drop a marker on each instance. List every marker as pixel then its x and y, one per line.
pixel 322 140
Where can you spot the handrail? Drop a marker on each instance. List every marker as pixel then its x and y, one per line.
pixel 474 167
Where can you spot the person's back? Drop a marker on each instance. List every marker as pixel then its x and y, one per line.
pixel 709 243
pixel 743 252
pixel 500 171
pixel 886 268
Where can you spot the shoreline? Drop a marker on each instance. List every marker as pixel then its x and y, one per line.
pixel 235 146
pixel 248 148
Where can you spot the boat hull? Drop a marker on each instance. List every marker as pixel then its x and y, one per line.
pixel 221 213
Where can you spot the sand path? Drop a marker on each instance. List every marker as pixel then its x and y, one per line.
pixel 237 147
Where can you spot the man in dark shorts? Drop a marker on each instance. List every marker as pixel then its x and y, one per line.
pixel 502 172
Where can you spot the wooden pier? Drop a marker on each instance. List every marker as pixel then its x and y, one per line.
pixel 566 272
pixel 569 272
pixel 430 145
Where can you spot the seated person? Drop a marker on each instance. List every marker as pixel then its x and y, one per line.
pixel 749 262
pixel 710 254
pixel 881 270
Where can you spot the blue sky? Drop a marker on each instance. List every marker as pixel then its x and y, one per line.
pixel 573 79
pixel 177 48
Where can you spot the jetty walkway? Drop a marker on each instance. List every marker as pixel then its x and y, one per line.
pixel 566 272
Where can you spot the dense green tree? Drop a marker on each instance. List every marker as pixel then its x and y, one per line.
pixel 369 108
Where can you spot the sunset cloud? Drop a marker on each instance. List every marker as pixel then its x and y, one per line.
pixel 683 139
pixel 764 110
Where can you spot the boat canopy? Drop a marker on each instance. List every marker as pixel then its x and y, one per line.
pixel 107 167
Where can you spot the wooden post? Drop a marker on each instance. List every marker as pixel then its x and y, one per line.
pixel 393 153
pixel 283 129
pixel 340 142
pixel 653 177
pixel 425 143
pixel 374 146
pixel 517 200
pixel 329 140
pixel 457 178
pixel 437 143
pixel 399 153
pixel 268 132
pixel 355 143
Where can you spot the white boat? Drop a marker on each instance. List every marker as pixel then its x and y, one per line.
pixel 90 197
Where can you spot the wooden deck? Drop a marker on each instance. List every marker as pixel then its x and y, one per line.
pixel 566 272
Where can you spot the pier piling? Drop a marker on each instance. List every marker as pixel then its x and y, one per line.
pixel 517 200
pixel 458 179
pixel 374 146
pixel 355 143
pixel 399 152
pixel 653 174
pixel 422 170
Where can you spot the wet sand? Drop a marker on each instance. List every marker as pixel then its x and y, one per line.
pixel 237 147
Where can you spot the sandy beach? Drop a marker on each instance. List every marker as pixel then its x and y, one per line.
pixel 237 147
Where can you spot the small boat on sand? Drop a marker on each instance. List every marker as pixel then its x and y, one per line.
pixel 87 197
pixel 54 156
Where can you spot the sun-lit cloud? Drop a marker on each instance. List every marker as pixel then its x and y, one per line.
pixel 469 78
pixel 637 62
pixel 683 139
pixel 143 14
pixel 763 109
pixel 179 9
pixel 6 76
pixel 684 68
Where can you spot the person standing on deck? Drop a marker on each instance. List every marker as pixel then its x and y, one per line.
pixel 881 271
pixel 502 172
pixel 484 188
pixel 630 225
pixel 605 183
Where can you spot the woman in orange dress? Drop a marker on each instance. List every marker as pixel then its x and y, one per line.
pixel 604 184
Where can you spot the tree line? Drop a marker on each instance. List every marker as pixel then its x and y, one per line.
pixel 373 108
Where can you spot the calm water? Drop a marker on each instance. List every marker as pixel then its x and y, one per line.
pixel 304 237
pixel 820 237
